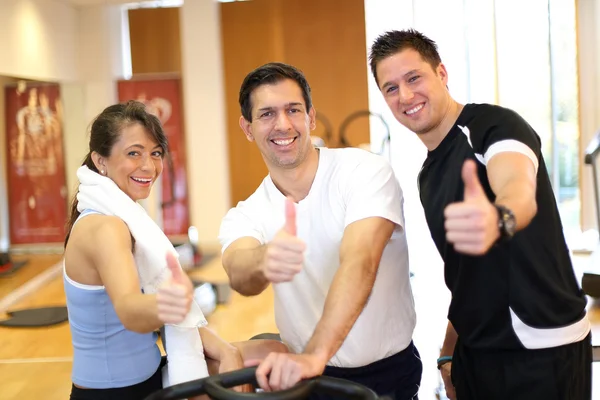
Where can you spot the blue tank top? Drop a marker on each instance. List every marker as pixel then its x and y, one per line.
pixel 106 355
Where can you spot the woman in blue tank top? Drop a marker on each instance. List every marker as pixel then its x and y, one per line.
pixel 112 321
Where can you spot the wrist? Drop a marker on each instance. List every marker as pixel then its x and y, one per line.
pixel 229 352
pixel 320 354
pixel 506 223
pixel 443 360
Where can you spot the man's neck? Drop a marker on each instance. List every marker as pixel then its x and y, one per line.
pixel 296 182
pixel 433 138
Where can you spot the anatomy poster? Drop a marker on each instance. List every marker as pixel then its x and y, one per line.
pixel 37 192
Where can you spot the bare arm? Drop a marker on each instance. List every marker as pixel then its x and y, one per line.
pixel 446 368
pixel 110 251
pixel 512 177
pixel 360 252
pixel 242 261
pixel 472 224
pixel 252 266
pixel 214 346
pixel 449 341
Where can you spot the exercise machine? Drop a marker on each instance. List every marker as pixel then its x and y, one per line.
pixel 590 282
pixel 218 387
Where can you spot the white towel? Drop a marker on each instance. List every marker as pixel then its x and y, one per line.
pixel 184 350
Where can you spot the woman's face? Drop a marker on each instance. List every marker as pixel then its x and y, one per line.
pixel 135 162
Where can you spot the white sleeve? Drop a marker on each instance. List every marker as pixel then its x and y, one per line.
pixel 238 224
pixel 372 190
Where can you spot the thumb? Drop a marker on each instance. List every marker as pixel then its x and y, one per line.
pixel 177 273
pixel 290 216
pixel 473 188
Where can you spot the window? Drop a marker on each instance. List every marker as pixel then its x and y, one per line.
pixel 537 77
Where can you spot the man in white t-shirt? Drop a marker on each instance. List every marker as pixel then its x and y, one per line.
pixel 326 228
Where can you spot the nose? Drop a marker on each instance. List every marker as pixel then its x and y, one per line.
pixel 282 123
pixel 147 163
pixel 406 94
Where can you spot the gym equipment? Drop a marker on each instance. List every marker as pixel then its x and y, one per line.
pixel 217 387
pixel 590 282
pixel 326 139
pixel 358 114
pixel 8 266
pixel 267 336
pixel 36 317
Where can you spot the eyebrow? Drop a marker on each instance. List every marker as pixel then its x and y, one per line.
pixel 409 73
pixel 139 146
pixel 286 105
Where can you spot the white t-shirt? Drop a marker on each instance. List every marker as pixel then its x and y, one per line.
pixel 350 185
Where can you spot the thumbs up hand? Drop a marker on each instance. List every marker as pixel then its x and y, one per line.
pixel 284 255
pixel 472 224
pixel 174 296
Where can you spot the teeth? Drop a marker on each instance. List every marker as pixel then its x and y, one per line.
pixel 142 180
pixel 414 110
pixel 283 142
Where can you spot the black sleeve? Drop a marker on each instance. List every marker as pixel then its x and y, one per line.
pixel 502 127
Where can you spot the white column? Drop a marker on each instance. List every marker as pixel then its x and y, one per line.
pixel 100 50
pixel 205 120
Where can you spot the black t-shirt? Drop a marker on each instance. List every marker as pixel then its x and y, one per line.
pixel 531 274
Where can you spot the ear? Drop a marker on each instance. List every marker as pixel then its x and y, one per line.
pixel 312 115
pixel 442 73
pixel 99 161
pixel 247 128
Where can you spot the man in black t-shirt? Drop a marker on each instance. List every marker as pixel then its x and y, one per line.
pixel 517 322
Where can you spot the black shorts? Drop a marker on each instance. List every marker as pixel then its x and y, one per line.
pixel 397 376
pixel 557 373
pixel 139 391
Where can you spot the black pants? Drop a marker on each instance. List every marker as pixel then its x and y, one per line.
pixel 397 376
pixel 558 373
pixel 138 391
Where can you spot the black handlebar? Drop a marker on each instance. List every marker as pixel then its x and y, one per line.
pixel 357 114
pixel 217 387
pixel 593 149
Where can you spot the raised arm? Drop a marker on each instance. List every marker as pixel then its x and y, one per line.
pixel 472 224
pixel 243 262
pixel 511 152
pixel 512 177
pixel 251 266
pixel 109 249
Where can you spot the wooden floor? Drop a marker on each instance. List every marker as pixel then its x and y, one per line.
pixel 36 363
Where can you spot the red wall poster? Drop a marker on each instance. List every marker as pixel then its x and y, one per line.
pixel 37 192
pixel 163 98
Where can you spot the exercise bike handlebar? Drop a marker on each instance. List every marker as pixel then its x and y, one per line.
pixel 593 149
pixel 217 387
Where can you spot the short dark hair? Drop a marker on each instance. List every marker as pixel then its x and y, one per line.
pixel 269 74
pixel 393 42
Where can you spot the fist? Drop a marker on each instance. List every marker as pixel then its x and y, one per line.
pixel 174 296
pixel 472 224
pixel 284 255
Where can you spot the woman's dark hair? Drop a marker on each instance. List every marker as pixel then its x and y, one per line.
pixel 105 132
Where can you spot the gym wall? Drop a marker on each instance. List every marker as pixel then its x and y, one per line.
pixel 325 39
pixel 330 49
